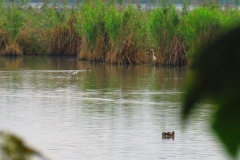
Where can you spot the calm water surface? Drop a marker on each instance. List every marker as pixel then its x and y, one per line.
pixel 110 112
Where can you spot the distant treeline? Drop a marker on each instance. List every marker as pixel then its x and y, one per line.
pixel 105 32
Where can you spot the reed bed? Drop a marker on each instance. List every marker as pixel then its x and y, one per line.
pixel 112 32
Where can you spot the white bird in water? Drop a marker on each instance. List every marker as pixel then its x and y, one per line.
pixel 154 58
pixel 73 73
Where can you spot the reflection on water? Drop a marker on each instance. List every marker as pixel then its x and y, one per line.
pixel 111 112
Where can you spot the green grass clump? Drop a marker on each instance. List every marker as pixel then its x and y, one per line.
pixel 35 36
pixel 110 33
pixel 200 27
pixel 91 28
pixel 12 21
pixel 130 43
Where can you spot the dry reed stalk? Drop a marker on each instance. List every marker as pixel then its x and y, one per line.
pixel 84 51
pixel 3 42
pixel 65 40
pixel 34 40
pixel 171 52
pixel 162 54
pixel 118 54
pixel 122 55
pixel 141 56
pixel 13 49
pixel 99 51
pixel 178 57
pixel 111 54
pixel 126 50
pixel 90 53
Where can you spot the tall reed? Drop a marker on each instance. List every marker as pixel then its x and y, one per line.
pixel 65 39
pixel 129 40
pixel 113 34
pixel 163 24
pixel 12 21
pixel 91 28
pixel 35 36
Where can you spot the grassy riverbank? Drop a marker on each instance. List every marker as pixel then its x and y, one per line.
pixel 106 32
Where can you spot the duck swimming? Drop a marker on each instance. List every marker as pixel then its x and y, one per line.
pixel 168 135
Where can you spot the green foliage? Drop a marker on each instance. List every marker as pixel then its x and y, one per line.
pixel 14 21
pixel 216 76
pixel 113 21
pixel 233 19
pixel 163 24
pixel 52 15
pixel 236 4
pixel 185 7
pixel 200 27
pixel 107 28
pixel 134 25
pixel 92 15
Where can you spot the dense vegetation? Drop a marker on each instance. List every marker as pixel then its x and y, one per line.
pixel 113 33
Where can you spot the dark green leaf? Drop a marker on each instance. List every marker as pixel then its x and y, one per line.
pixel 216 75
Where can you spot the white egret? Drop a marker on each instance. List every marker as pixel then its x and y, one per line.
pixel 153 57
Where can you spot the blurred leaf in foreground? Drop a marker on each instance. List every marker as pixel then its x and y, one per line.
pixel 216 75
pixel 13 148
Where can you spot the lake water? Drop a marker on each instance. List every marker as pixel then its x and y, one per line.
pixel 111 112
